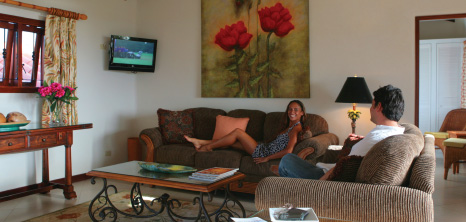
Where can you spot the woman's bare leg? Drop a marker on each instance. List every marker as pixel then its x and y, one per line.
pixel 237 138
pixel 197 142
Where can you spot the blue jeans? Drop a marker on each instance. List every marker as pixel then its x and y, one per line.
pixel 295 167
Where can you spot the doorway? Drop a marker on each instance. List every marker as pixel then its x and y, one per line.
pixel 420 100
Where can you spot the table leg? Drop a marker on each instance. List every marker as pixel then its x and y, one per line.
pixel 101 207
pixel 68 189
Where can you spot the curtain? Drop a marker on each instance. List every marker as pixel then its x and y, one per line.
pixel 463 78
pixel 60 62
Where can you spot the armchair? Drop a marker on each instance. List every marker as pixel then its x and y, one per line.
pixel 455 120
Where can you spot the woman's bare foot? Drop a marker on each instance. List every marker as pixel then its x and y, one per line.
pixel 196 142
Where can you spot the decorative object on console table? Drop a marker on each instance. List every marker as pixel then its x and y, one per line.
pixel 354 91
pixel 56 97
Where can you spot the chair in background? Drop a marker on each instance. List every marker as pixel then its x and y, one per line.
pixel 453 125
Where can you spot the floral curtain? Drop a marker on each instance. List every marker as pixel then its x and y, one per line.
pixel 463 78
pixel 60 62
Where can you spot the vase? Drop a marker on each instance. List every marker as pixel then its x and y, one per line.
pixel 56 114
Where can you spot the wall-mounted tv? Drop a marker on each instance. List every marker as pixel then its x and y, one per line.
pixel 132 54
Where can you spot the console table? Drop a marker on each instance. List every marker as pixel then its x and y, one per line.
pixel 34 137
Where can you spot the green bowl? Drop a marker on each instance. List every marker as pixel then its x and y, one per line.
pixel 165 168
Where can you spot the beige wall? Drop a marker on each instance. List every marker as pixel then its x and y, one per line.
pixel 373 39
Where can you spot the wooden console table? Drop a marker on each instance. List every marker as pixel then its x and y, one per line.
pixel 34 137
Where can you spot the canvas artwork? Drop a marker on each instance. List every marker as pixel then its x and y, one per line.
pixel 255 48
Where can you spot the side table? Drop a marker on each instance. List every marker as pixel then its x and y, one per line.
pixel 134 149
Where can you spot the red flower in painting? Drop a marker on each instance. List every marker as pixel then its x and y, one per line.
pixel 276 19
pixel 234 36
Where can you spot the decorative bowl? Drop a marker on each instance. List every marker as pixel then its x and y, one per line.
pixel 12 126
pixel 165 168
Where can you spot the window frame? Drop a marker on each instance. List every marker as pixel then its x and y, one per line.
pixel 10 82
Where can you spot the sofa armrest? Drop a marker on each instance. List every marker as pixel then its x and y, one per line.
pixel 345 200
pixel 150 138
pixel 319 143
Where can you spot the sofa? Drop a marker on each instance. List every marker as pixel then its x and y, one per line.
pixel 261 126
pixel 394 182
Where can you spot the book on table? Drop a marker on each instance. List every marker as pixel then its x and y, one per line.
pixel 213 174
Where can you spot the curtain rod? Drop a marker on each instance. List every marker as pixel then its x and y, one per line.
pixel 52 11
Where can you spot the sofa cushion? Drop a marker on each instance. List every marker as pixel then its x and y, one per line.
pixel 175 124
pixel 229 158
pixel 225 124
pixel 274 124
pixel 389 161
pixel 181 154
pixel 263 169
pixel 316 124
pixel 256 121
pixel 204 122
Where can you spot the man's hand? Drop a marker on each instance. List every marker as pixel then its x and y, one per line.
pixel 261 160
pixel 354 137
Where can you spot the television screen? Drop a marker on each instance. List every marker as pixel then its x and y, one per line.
pixel 132 54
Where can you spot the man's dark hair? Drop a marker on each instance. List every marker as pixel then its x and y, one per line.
pixel 392 102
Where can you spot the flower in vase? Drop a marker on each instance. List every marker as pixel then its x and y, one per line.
pixel 56 93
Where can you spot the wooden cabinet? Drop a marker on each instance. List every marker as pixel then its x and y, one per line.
pixel 40 137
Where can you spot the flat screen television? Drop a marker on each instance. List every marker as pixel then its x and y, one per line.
pixel 132 54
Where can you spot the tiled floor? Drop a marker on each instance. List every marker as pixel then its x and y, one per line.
pixel 449 197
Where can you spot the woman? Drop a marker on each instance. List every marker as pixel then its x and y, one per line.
pixel 239 139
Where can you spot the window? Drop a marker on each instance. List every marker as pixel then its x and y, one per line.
pixel 21 54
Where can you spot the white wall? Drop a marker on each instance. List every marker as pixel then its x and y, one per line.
pixel 106 98
pixel 373 39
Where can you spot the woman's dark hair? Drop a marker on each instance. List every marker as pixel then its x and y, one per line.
pixel 287 118
pixel 392 102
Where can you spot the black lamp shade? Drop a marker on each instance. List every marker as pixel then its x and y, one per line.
pixel 354 90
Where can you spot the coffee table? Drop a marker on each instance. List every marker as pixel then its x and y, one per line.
pixel 132 172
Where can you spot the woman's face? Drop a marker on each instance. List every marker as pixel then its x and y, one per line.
pixel 295 112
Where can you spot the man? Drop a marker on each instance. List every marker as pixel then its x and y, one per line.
pixel 386 110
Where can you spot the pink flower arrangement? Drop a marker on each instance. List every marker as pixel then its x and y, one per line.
pixel 56 93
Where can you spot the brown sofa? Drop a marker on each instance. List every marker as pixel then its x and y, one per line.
pixel 395 182
pixel 261 126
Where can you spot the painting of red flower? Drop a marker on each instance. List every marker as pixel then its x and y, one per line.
pixel 234 36
pixel 255 48
pixel 276 19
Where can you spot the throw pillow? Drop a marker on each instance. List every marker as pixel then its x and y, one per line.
pixel 225 124
pixel 175 124
pixel 346 169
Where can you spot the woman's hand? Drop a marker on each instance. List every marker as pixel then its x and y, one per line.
pixel 261 160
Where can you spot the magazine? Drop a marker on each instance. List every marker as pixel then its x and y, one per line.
pixel 213 174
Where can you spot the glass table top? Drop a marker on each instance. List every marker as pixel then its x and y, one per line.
pixel 132 168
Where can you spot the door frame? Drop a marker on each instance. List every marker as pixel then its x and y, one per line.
pixel 416 45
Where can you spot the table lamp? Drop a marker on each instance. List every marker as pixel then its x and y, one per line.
pixel 354 91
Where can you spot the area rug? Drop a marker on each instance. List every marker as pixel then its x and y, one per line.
pixel 122 202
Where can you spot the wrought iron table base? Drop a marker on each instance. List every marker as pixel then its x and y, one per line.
pixel 106 209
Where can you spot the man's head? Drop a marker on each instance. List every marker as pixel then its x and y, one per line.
pixel 388 101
